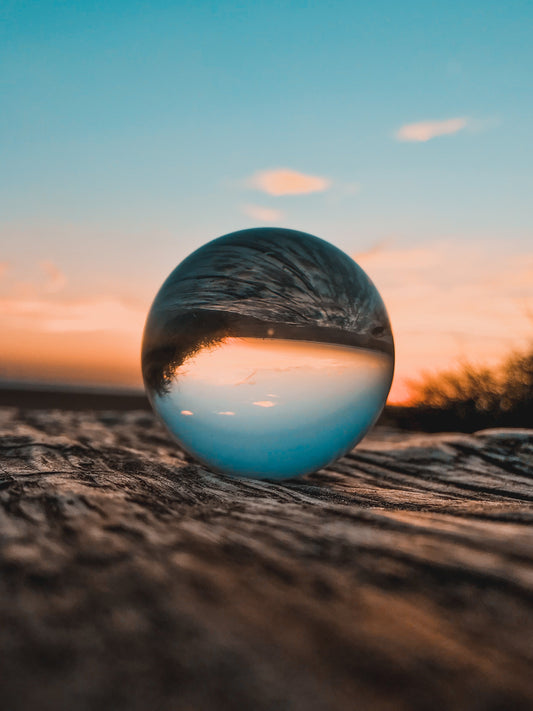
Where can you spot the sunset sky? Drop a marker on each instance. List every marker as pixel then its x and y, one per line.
pixel 131 133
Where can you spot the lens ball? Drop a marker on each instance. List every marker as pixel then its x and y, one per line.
pixel 268 353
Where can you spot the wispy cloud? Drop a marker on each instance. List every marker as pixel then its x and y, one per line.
pixel 425 130
pixel 262 214
pixel 342 192
pixel 53 316
pixel 93 340
pixel 55 279
pixel 284 181
pixel 351 188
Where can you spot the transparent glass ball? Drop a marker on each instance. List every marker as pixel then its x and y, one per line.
pixel 267 353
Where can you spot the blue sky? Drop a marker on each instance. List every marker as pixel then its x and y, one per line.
pixel 130 132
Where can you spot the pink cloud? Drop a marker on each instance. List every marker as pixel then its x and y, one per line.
pixel 263 214
pixel 52 316
pixel 284 181
pixel 56 280
pixel 425 130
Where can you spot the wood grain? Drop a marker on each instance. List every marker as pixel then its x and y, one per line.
pixel 132 578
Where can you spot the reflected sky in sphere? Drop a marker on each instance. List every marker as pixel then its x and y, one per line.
pixel 271 408
pixel 268 353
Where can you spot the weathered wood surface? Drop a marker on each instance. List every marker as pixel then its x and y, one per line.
pixel 133 579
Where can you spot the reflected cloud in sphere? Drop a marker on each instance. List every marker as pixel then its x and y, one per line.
pixel 268 353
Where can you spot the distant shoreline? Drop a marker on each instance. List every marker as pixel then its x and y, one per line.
pixel 47 397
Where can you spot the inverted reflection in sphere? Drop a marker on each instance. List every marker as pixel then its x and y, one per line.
pixel 268 353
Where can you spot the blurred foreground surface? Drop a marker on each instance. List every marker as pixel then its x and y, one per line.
pixel 132 579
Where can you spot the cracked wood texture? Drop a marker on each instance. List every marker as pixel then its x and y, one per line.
pixel 400 578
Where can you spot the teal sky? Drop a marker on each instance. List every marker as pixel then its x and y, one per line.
pixel 130 130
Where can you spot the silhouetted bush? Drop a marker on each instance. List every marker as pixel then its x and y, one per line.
pixel 471 397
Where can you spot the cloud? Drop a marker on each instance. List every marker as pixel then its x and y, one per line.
pixel 262 214
pixel 450 301
pixel 52 316
pixel 351 188
pixel 425 130
pixel 283 181
pixel 56 280
pixel 93 340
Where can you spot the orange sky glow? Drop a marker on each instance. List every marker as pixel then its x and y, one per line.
pixel 399 136
pixel 447 302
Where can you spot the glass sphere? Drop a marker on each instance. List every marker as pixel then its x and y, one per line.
pixel 267 353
